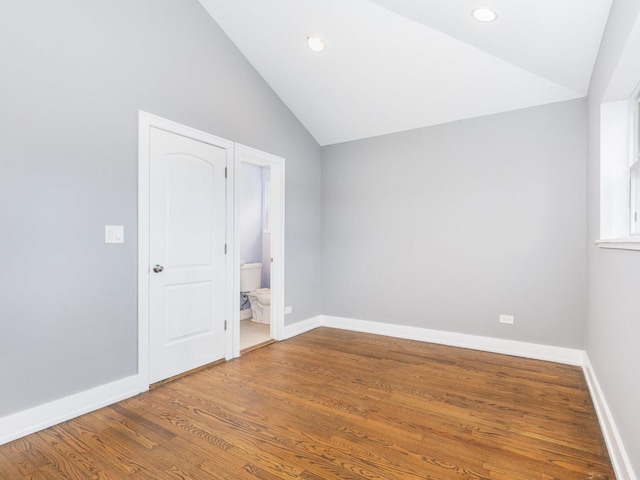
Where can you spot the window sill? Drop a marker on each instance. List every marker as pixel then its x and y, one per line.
pixel 630 243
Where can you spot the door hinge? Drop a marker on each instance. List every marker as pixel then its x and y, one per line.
pixel 225 172
pixel 225 325
pixel 225 248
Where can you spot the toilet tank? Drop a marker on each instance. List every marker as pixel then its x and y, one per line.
pixel 250 277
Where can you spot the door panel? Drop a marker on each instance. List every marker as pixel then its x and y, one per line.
pixel 189 311
pixel 190 213
pixel 187 237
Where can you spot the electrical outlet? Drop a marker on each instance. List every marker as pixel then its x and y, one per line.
pixel 508 319
pixel 288 310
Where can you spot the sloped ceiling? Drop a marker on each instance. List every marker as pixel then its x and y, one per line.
pixel 394 65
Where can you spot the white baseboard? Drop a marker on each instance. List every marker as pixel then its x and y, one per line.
pixel 37 418
pixel 495 345
pixel 617 452
pixel 43 416
pixel 32 420
pixel 245 314
pixel 299 328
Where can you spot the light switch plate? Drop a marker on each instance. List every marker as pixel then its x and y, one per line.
pixel 113 234
pixel 288 310
pixel 508 319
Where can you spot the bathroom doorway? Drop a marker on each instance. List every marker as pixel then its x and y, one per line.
pixel 259 252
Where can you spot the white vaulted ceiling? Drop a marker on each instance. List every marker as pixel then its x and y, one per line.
pixel 394 65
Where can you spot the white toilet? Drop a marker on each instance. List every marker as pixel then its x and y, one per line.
pixel 259 298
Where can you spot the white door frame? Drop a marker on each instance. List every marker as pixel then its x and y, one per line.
pixel 145 122
pixel 262 159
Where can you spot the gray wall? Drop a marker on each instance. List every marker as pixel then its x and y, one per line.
pixel 449 226
pixel 74 75
pixel 614 275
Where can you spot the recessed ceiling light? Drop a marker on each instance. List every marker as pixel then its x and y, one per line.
pixel 315 43
pixel 484 14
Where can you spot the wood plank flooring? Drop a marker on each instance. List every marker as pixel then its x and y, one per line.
pixel 333 404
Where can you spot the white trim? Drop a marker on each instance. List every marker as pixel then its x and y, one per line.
pixel 35 419
pixel 43 416
pixel 233 276
pixel 618 133
pixel 145 122
pixel 277 214
pixel 495 345
pixel 304 326
pixel 631 243
pixel 617 452
pixel 144 144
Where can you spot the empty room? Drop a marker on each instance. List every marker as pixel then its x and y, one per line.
pixel 305 239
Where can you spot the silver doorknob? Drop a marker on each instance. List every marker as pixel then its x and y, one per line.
pixel 158 268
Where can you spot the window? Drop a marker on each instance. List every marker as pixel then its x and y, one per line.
pixel 620 150
pixel 620 171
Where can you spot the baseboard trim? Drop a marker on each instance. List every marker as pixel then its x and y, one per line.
pixel 495 345
pixel 43 416
pixel 38 418
pixel 35 419
pixel 617 452
pixel 299 328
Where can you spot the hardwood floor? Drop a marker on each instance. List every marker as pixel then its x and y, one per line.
pixel 333 404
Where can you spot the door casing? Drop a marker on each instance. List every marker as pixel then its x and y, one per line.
pixel 237 153
pixel 262 159
pixel 145 122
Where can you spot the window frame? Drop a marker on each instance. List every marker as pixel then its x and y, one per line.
pixel 634 167
pixel 618 145
pixel 620 172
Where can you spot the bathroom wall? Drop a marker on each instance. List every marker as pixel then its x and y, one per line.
pixel 74 75
pixel 250 212
pixel 266 225
pixel 255 239
pixel 448 227
pixel 613 326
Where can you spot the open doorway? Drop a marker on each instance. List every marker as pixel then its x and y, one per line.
pixel 259 227
pixel 254 230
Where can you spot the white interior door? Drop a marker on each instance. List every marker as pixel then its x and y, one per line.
pixel 187 223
